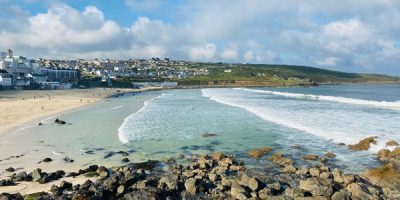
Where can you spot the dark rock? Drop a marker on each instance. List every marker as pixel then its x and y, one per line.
pixel 58 121
pixel 65 185
pixel 37 174
pixel 7 196
pixel 145 193
pixel 68 160
pixel 47 160
pixel 10 169
pixel 6 182
pixel 125 160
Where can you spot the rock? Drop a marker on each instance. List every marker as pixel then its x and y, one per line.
pixel 277 158
pixel 348 178
pixel 125 160
pixel 316 186
pixel 218 156
pixel 294 192
pixel 22 176
pixel 330 155
pixel 37 174
pixel 239 192
pixel 359 192
pixel 250 182
pixel 257 153
pixel 68 160
pixel 190 186
pixel 170 181
pixel 57 121
pixel 290 169
pixel 6 182
pixel 385 176
pixel 325 175
pixel 47 160
pixel 275 186
pixel 120 190
pixel 341 195
pixel 206 135
pixel 10 169
pixel 45 179
pixel 264 193
pixel 145 193
pixel 392 143
pixel 102 172
pixel 302 171
pixel 65 185
pixel 383 154
pixel 7 196
pixel 212 177
pixel 314 172
pixel 337 176
pixel 310 157
pixel 364 144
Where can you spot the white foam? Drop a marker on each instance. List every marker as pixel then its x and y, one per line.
pixel 116 107
pixel 382 104
pixel 271 116
pixel 124 128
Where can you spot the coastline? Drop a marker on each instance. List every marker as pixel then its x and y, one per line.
pixel 34 106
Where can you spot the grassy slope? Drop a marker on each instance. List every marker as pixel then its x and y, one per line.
pixel 246 75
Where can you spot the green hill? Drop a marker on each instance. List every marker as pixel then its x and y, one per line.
pixel 276 75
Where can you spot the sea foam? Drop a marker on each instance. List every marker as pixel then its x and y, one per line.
pixel 382 104
pixel 124 129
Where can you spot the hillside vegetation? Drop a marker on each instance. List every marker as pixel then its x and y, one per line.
pixel 276 75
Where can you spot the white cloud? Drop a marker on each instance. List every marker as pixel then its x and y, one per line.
pixel 351 35
pixel 230 53
pixel 205 52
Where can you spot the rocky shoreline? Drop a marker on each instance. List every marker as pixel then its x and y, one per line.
pixel 218 176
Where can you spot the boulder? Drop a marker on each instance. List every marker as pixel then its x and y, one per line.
pixel 310 157
pixel 239 192
pixel 37 174
pixel 330 155
pixel 58 121
pixel 6 196
pixel 383 154
pixel 218 156
pixel 125 160
pixel 120 190
pixel 264 193
pixel 257 153
pixel 65 185
pixel 290 169
pixel 364 144
pixel 278 159
pixel 250 182
pixel 359 192
pixel 317 186
pixel 169 181
pixel 145 193
pixel 392 143
pixel 341 195
pixel 294 192
pixel 10 169
pixel 314 172
pixel 190 186
pixel 47 160
pixel 384 176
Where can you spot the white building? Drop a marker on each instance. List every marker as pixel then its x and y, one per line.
pixel 5 79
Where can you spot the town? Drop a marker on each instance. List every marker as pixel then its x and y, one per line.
pixel 18 72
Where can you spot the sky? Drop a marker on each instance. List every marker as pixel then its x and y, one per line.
pixel 348 35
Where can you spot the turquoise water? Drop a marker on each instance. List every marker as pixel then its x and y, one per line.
pixel 161 125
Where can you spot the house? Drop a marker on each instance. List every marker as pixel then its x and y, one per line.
pixel 227 70
pixel 5 78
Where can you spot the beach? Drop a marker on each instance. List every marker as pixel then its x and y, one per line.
pixel 263 129
pixel 23 107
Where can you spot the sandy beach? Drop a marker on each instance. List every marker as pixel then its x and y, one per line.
pixel 21 107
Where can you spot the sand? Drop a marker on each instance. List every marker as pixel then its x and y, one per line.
pixel 22 107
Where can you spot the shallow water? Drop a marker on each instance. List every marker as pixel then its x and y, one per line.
pixel 160 125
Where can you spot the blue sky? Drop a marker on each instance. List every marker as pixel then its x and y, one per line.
pixel 352 36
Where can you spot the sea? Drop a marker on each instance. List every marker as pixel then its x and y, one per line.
pixel 172 124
